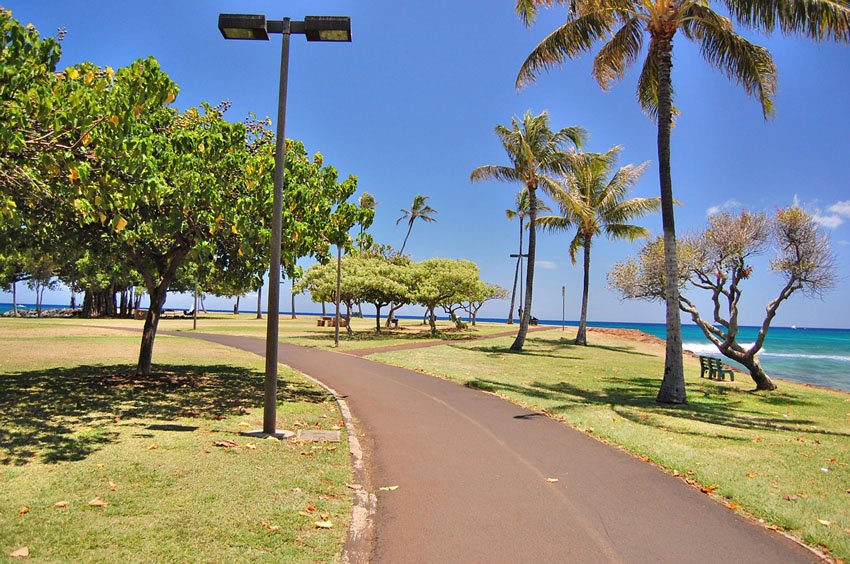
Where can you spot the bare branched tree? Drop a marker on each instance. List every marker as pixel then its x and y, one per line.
pixel 717 260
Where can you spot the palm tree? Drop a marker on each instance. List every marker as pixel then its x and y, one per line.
pixel 536 153
pixel 520 211
pixel 418 210
pixel 594 202
pixel 623 26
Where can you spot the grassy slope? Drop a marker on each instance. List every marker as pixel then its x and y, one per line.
pixel 72 422
pixel 756 448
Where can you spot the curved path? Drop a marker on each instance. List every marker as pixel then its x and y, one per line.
pixel 472 469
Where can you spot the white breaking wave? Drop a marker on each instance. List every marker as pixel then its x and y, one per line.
pixel 709 348
pixel 835 357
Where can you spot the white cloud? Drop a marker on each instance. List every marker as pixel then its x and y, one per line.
pixel 828 221
pixel 843 242
pixel 841 208
pixel 547 264
pixel 725 206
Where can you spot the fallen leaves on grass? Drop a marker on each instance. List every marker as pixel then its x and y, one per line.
pixel 227 444
pixel 323 524
pixel 709 489
pixel 752 474
pixel 60 504
pixel 311 508
pixel 24 510
pixel 113 486
pixel 251 446
pixel 824 522
pixel 22 552
pixel 153 447
pixel 733 505
pixel 97 502
pixel 269 527
pixel 551 480
pixel 388 488
pixel 790 498
pixel 359 487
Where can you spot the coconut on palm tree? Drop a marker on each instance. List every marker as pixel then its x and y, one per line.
pixel 537 154
pixel 418 210
pixel 520 211
pixel 594 202
pixel 623 27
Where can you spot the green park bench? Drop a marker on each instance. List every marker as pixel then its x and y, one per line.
pixel 715 369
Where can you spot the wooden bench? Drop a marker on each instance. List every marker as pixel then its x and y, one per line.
pixel 716 370
pixel 331 321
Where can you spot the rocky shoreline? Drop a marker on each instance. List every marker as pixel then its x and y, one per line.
pixel 50 313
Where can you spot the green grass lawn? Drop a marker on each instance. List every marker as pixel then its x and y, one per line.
pixel 76 426
pixel 782 456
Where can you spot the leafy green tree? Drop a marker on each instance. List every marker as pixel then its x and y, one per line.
pixel 594 202
pixel 536 154
pixel 717 261
pixel 624 26
pixel 420 210
pixel 484 292
pixel 439 281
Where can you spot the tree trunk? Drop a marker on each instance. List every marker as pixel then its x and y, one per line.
pixel 359 311
pixel 432 318
pixel 292 293
pixel 260 302
pixel 195 310
pixel 757 373
pixel 157 298
pixel 516 274
pixel 378 317
pixel 338 290
pixel 236 306
pixel 324 310
pixel 519 342
pixel 15 298
pixel 39 292
pixel 123 305
pixel 138 303
pixel 673 385
pixel 409 229
pixel 581 336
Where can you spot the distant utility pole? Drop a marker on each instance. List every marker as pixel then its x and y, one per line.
pixel 563 308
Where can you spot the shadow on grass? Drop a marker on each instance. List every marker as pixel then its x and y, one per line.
pixel 633 399
pixel 65 414
pixel 369 337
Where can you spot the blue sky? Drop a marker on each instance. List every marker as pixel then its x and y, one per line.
pixel 410 106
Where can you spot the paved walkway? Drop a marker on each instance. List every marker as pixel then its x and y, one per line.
pixel 472 469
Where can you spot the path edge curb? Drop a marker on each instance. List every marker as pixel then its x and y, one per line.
pixel 361 530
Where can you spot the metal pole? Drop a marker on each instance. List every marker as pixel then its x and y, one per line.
pixel 270 407
pixel 338 276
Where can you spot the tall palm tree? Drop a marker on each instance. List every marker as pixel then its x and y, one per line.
pixel 520 211
pixel 623 27
pixel 594 202
pixel 418 210
pixel 536 153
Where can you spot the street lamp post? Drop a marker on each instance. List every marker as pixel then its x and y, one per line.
pixel 520 256
pixel 256 27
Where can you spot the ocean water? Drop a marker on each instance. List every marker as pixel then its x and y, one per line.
pixel 804 354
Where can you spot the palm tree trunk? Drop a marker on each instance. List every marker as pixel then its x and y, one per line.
pixel 581 336
pixel 673 385
pixel 516 275
pixel 292 293
pixel 15 298
pixel 519 342
pixel 409 229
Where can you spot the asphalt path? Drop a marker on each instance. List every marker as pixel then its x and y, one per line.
pixel 473 474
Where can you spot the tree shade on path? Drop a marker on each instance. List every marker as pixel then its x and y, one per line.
pixel 472 470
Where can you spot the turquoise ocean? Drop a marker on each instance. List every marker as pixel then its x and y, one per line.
pixel 804 354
